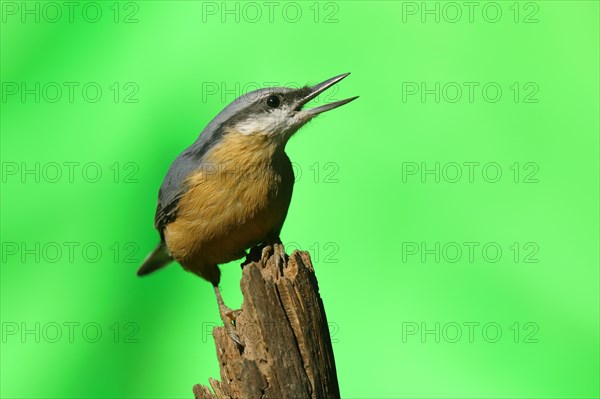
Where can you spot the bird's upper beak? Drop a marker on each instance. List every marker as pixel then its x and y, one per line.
pixel 318 89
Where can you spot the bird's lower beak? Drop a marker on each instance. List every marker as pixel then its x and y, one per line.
pixel 318 89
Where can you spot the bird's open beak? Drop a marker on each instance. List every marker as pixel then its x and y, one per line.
pixel 318 89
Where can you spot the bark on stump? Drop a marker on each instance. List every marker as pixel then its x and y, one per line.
pixel 287 352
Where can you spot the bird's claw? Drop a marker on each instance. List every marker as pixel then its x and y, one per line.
pixel 278 252
pixel 228 316
pixel 266 252
pixel 280 257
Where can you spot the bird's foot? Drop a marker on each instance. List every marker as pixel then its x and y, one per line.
pixel 278 253
pixel 228 317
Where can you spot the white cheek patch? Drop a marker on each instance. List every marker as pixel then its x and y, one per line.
pixel 275 121
pixel 251 126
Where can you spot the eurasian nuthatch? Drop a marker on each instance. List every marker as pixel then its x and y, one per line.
pixel 231 189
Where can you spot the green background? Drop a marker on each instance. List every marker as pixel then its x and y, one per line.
pixel 355 207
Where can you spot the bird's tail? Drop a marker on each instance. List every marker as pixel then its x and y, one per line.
pixel 158 258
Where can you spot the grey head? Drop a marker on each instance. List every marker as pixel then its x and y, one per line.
pixel 277 112
pixel 274 111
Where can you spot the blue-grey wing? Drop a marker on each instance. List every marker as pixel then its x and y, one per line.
pixel 171 191
pixel 174 185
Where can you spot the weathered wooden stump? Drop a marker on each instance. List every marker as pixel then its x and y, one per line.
pixel 287 347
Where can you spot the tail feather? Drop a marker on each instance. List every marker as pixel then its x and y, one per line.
pixel 158 258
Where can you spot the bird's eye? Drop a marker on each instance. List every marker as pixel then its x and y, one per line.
pixel 273 101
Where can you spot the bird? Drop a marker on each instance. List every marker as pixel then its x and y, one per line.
pixel 230 190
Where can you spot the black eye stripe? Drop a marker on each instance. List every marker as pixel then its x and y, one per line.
pixel 273 101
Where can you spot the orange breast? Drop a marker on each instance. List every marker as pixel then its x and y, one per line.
pixel 237 199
